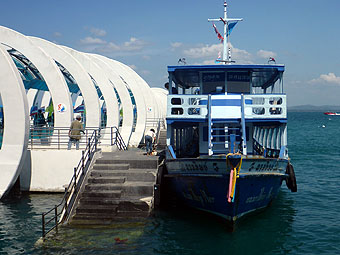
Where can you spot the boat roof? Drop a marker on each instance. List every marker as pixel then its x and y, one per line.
pixel 187 76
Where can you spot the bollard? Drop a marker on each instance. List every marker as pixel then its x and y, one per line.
pixel 43 225
pixel 56 218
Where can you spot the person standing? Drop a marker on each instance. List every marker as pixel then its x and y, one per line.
pixel 149 139
pixel 74 132
pixel 39 123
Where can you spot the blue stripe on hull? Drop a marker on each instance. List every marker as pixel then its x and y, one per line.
pixel 210 193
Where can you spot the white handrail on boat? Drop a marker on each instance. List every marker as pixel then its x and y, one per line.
pixel 187 106
pixel 259 106
pixel 265 106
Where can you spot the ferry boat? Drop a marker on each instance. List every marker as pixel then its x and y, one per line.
pixel 227 135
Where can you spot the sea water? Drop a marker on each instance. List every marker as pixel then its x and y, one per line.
pixel 305 222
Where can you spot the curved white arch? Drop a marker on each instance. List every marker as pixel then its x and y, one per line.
pixel 137 92
pixel 152 112
pixel 103 83
pixel 161 97
pixel 16 122
pixel 48 70
pixel 30 96
pixel 124 96
pixel 82 78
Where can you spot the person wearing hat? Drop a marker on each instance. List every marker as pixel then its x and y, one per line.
pixel 149 139
pixel 74 132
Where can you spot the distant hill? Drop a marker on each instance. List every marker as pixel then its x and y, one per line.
pixel 314 108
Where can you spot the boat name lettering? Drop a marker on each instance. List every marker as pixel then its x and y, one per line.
pixel 261 167
pixel 195 166
pixel 260 197
pixel 202 197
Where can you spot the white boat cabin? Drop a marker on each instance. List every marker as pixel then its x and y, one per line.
pixel 221 109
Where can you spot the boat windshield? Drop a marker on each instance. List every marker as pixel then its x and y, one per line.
pixel 230 79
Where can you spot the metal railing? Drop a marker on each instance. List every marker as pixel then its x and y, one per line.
pixel 55 216
pixel 187 106
pixel 116 139
pixel 257 106
pixel 58 213
pixel 265 106
pixel 57 138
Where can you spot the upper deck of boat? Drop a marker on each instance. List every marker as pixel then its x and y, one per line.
pixel 226 92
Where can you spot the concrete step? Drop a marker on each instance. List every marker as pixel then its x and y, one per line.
pixel 99 209
pixel 147 163
pixel 121 215
pixel 115 179
pixel 82 220
pixel 138 188
pixel 128 188
pixel 129 175
pixel 102 194
pixel 100 166
pixel 128 204
pixel 103 187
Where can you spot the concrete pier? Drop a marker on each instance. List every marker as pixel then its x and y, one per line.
pixel 119 187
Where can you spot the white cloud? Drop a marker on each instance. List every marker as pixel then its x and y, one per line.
pixel 327 78
pixel 134 44
pixel 92 40
pixel 97 45
pixel 266 54
pixel 97 31
pixel 208 54
pixel 145 72
pixel 206 51
pixel 57 34
pixel 176 44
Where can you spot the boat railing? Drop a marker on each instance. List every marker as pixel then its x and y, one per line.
pixel 256 106
pixel 187 106
pixel 265 106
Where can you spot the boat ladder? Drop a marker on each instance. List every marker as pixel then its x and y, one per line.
pixel 225 137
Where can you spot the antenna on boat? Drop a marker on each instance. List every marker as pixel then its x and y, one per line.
pixel 229 24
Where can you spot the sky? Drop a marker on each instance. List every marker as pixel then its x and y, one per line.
pixel 149 35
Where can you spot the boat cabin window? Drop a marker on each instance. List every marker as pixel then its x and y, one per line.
pixel 216 82
pixel 213 83
pixel 238 82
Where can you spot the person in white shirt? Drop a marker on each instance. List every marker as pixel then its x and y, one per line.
pixel 149 139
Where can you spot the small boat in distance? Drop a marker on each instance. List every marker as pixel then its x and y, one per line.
pixel 227 151
pixel 331 113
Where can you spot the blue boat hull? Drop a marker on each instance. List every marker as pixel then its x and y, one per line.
pixel 207 189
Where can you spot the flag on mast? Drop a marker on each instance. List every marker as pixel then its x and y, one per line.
pixel 219 36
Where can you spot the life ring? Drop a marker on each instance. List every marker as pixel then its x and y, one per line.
pixel 290 179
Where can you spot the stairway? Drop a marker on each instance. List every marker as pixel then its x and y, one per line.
pixel 119 187
pixel 225 137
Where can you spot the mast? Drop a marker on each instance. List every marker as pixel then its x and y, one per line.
pixel 226 42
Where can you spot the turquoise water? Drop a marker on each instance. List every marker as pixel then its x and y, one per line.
pixel 305 222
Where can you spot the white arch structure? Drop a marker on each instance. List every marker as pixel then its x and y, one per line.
pixel 124 95
pixel 49 71
pixel 123 78
pixel 102 82
pixel 83 80
pixel 16 122
pixel 90 72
